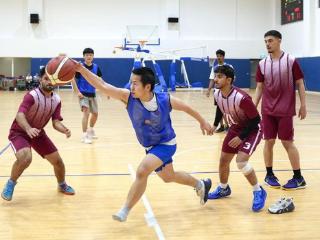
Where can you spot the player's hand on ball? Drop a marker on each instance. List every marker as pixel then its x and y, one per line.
pixel 33 132
pixel 235 142
pixel 302 112
pixel 67 133
pixel 78 65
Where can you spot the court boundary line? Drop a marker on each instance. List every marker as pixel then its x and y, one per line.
pixel 128 174
pixel 149 216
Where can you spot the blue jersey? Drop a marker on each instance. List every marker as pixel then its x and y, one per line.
pixel 215 65
pixel 83 85
pixel 151 127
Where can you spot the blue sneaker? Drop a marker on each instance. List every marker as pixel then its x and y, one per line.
pixel 8 190
pixel 259 199
pixel 220 193
pixel 66 189
pixel 294 184
pixel 272 181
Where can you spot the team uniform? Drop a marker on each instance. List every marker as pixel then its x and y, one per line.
pixel 152 124
pixel 87 90
pixel 278 96
pixel 243 119
pixel 38 110
pixel 238 109
pixel 279 78
pixel 211 77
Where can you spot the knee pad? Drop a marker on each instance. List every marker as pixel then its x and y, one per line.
pixel 245 167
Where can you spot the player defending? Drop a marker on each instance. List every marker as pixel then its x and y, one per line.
pixel 243 136
pixel 38 106
pixel 150 116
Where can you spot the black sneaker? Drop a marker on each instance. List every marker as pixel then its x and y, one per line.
pixel 220 129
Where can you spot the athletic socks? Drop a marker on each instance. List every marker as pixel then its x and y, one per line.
pixel 62 184
pixel 223 185
pixel 269 171
pixel 256 187
pixel 122 215
pixel 297 174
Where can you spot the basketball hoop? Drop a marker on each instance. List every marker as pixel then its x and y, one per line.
pixel 142 43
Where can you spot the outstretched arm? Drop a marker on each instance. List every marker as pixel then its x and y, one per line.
pixel 177 104
pixel 114 92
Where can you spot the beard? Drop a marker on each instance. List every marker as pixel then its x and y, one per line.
pixel 47 88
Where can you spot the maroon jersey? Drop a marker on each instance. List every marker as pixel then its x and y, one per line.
pixel 279 77
pixel 237 107
pixel 38 109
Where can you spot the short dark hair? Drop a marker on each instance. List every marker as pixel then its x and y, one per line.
pixel 87 50
pixel 42 71
pixel 147 76
pixel 221 52
pixel 273 33
pixel 226 70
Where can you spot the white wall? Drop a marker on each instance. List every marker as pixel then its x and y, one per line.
pixel 302 38
pixel 70 25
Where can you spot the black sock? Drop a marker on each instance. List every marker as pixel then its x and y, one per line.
pixel 269 171
pixel 297 174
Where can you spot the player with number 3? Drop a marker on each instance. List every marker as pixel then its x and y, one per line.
pixel 243 136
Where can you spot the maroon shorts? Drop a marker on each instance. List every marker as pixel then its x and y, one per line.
pixel 277 126
pixel 248 145
pixel 41 144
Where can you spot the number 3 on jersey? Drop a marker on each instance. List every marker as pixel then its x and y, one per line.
pixel 247 145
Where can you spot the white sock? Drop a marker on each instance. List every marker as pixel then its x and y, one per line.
pixel 223 185
pixel 84 134
pixel 256 187
pixel 122 215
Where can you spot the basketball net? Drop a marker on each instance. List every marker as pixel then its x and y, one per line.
pixel 142 43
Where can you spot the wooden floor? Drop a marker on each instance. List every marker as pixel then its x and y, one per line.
pixel 100 175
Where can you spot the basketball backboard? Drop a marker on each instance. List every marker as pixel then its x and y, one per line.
pixel 146 34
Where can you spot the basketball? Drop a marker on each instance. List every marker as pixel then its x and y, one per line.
pixel 60 70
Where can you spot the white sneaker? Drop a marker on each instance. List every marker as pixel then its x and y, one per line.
pixel 91 134
pixel 283 205
pixel 86 139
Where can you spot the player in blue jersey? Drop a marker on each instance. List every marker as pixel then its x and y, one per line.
pixel 87 97
pixel 150 116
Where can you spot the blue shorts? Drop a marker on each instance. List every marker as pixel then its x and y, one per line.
pixel 164 153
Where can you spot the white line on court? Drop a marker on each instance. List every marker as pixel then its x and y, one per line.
pixel 150 218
